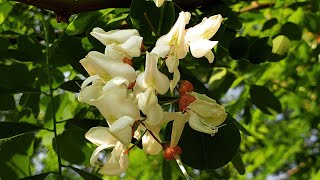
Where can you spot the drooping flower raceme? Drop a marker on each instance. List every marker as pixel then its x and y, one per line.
pixel 198 37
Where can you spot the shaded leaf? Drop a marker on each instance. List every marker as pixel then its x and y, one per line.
pixel 37 177
pixel 269 24
pixel 265 100
pixel 72 85
pixel 166 170
pixel 239 126
pixel 85 174
pixel 85 124
pixel 31 49
pixel 81 22
pixel 259 50
pixel 239 47
pixel 291 30
pixel 7 102
pixel 238 164
pixel 203 151
pixel 14 129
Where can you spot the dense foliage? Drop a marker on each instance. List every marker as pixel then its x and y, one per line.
pixel 265 73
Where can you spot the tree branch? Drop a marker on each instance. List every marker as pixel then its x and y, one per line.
pixel 79 6
pixel 256 6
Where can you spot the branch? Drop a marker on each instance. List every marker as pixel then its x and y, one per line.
pixel 64 8
pixel 256 6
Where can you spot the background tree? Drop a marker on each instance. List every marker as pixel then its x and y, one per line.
pixel 265 73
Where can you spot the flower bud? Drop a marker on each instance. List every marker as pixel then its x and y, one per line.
pixel 184 101
pixel 184 87
pixel 171 153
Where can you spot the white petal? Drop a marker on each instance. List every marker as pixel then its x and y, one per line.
pixel 106 68
pixel 203 97
pixel 172 62
pixel 177 128
pixel 117 85
pixel 146 100
pixel 117 163
pixel 159 2
pixel 161 50
pixel 90 94
pixel 201 47
pixel 100 135
pixel 113 36
pixel 206 29
pixel 210 56
pixel 122 130
pixel 95 155
pixel 115 52
pixel 150 145
pixel 155 115
pixel 176 78
pixel 132 46
pixel 89 80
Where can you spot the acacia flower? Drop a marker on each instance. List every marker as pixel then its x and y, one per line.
pixel 110 98
pixel 173 46
pixel 118 137
pixel 198 37
pixel 159 3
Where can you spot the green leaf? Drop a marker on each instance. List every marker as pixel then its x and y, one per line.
pixel 85 174
pixel 238 164
pixel 81 22
pixel 7 102
pixel 72 85
pixel 166 170
pixel 72 146
pixel 239 47
pixel 203 151
pixel 31 49
pixel 5 9
pixel 14 129
pixel 265 100
pixel 4 44
pixel 147 19
pixel 291 30
pixel 280 48
pixel 259 50
pixel 13 82
pixel 37 177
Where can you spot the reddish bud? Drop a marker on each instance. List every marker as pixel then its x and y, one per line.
pixel 170 153
pixel 128 61
pixel 184 101
pixel 184 87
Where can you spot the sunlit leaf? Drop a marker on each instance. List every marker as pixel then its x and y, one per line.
pixel 280 48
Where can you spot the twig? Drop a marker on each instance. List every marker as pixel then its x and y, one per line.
pixel 256 6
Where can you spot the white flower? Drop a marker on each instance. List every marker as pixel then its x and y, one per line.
pixel 107 67
pixel 152 77
pixel 111 98
pixel 118 137
pixel 205 114
pixel 149 144
pixel 198 37
pixel 173 46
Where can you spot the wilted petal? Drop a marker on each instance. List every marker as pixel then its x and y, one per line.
pixel 196 124
pixel 213 113
pixel 113 36
pixel 122 130
pixel 100 64
pixel 117 163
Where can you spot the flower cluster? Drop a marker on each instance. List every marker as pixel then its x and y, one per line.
pixel 128 99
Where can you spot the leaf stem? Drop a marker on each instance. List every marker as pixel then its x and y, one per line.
pixel 51 96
